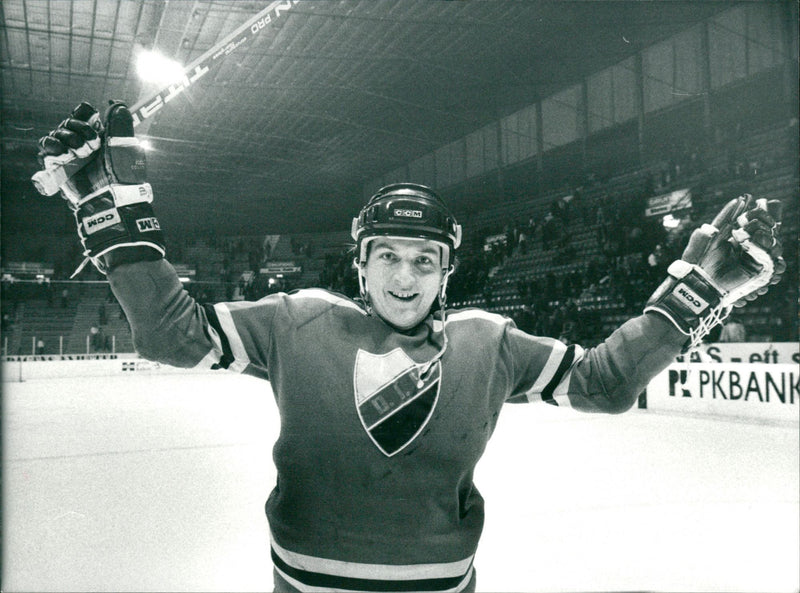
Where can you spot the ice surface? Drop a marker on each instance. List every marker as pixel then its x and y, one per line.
pixel 157 483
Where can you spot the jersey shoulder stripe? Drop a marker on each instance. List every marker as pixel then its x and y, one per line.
pixel 226 319
pixel 328 297
pixel 467 314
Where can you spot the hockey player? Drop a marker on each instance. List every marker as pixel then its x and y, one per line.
pixel 385 406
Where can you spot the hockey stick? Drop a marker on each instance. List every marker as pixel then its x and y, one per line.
pixel 49 181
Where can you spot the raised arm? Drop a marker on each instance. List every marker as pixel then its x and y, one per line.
pixel 103 171
pixel 167 324
pixel 726 263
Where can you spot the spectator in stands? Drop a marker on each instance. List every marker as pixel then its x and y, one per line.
pixel 550 230
pixel 526 320
pixel 40 346
pixel 579 206
pixel 94 342
pixel 559 209
pixel 655 262
pixel 523 241
pixel 65 298
pixel 511 231
pixel 530 228
pixel 522 289
pixel 487 292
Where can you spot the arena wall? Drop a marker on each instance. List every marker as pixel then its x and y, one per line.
pixel 747 391
pixel 749 381
pixel 32 368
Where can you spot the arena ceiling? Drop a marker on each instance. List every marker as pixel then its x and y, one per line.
pixel 285 131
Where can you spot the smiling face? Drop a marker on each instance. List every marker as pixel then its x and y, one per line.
pixel 403 277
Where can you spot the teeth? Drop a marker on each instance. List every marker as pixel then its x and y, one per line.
pixel 403 295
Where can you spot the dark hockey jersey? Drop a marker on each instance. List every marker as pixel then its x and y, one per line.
pixel 377 448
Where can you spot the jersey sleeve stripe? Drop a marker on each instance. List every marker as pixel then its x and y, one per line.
pixel 226 358
pixel 548 370
pixel 234 356
pixel 561 391
pixel 240 357
pixel 563 366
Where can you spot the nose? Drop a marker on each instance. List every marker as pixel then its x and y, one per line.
pixel 404 275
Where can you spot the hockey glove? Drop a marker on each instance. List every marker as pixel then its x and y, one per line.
pixel 725 264
pixel 100 169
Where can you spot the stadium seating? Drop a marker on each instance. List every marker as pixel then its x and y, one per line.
pixel 763 162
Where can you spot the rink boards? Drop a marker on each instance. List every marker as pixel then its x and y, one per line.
pixel 759 381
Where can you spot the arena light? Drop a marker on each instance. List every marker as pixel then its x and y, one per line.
pixel 151 66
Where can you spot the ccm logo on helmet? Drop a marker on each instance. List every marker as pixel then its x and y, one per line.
pixel 406 213
pixel 690 298
pixel 98 222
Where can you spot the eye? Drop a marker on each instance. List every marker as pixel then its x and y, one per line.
pixel 387 256
pixel 423 261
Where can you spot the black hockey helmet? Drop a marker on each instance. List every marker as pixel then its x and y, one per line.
pixel 407 210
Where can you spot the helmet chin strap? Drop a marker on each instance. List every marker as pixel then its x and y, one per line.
pixel 442 301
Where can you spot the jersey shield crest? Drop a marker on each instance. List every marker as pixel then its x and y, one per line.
pixel 394 402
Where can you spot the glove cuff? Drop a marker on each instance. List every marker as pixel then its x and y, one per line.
pixel 114 217
pixel 689 299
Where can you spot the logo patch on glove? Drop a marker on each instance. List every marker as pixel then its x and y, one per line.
pixel 147 224
pixel 690 298
pixel 101 220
